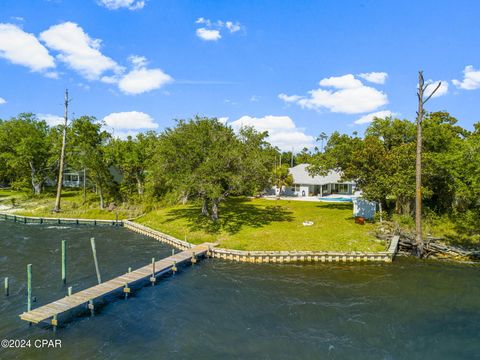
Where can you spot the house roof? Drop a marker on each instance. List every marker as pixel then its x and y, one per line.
pixel 301 176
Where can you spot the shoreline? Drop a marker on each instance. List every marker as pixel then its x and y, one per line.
pixel 386 256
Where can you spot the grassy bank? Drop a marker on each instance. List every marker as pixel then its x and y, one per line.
pixel 73 205
pixel 261 224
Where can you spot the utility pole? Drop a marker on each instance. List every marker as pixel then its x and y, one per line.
pixel 418 246
pixel 62 156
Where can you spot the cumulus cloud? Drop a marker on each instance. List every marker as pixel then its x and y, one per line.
pixel 141 79
pixel 123 124
pixel 212 30
pixel 208 35
pixel 118 4
pixel 22 48
pixel 432 85
pixel 51 120
pixel 340 94
pixel 281 129
pixel 471 79
pixel 78 50
pixel 233 27
pixel 366 119
pixel 375 77
pixel 2 101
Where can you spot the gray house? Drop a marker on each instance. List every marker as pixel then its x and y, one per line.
pixel 306 185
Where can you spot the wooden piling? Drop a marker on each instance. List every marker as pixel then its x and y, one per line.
pixel 69 291
pixel 29 287
pixel 129 269
pixel 153 279
pixel 64 262
pixel 91 307
pixel 94 251
pixel 7 289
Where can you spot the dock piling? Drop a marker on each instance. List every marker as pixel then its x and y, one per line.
pixel 7 289
pixel 64 262
pixel 91 307
pixel 29 287
pixel 153 279
pixel 94 251
pixel 126 290
pixel 69 291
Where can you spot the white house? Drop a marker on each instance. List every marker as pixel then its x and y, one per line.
pixel 306 185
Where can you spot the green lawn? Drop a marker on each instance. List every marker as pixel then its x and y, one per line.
pixel 261 224
pixel 72 205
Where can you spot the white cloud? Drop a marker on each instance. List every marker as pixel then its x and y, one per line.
pixel 118 4
pixel 22 48
pixel 78 50
pixel 223 119
pixel 2 101
pixel 141 79
pixel 341 82
pixel 471 79
pixel 212 31
pixel 233 27
pixel 442 90
pixel 208 35
pixel 129 122
pixel 52 120
pixel 375 77
pixel 281 129
pixel 349 95
pixel 289 98
pixel 366 119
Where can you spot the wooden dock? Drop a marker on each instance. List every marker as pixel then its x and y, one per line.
pixel 84 297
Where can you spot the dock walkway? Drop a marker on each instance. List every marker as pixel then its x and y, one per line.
pixel 52 310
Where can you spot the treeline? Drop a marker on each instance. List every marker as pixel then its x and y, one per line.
pixel 383 165
pixel 198 159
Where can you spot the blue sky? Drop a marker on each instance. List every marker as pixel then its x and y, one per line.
pixel 295 68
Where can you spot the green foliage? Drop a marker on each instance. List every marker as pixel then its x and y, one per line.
pixel 203 159
pixel 383 166
pixel 25 152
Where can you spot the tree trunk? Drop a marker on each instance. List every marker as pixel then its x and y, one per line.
pixel 215 209
pixel 102 200
pixel 140 186
pixel 205 206
pixel 84 185
pixel 37 185
pixel 62 157
pixel 380 210
pixel 418 248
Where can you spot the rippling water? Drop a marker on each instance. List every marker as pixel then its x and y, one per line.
pixel 219 310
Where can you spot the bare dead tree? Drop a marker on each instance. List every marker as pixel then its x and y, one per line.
pixel 62 155
pixel 422 87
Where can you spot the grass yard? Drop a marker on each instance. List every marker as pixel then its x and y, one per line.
pixel 261 224
pixel 72 205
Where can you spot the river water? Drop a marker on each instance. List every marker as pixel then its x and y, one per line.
pixel 221 310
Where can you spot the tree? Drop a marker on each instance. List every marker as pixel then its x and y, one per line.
pixel 204 159
pixel 132 157
pixel 61 166
pixel 418 246
pixel 88 143
pixel 282 178
pixel 25 151
pixel 322 137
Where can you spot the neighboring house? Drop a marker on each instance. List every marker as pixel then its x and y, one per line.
pixel 306 185
pixel 73 178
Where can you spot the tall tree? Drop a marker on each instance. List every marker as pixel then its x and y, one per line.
pixel 418 246
pixel 61 166
pixel 25 151
pixel 89 142
pixel 204 159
